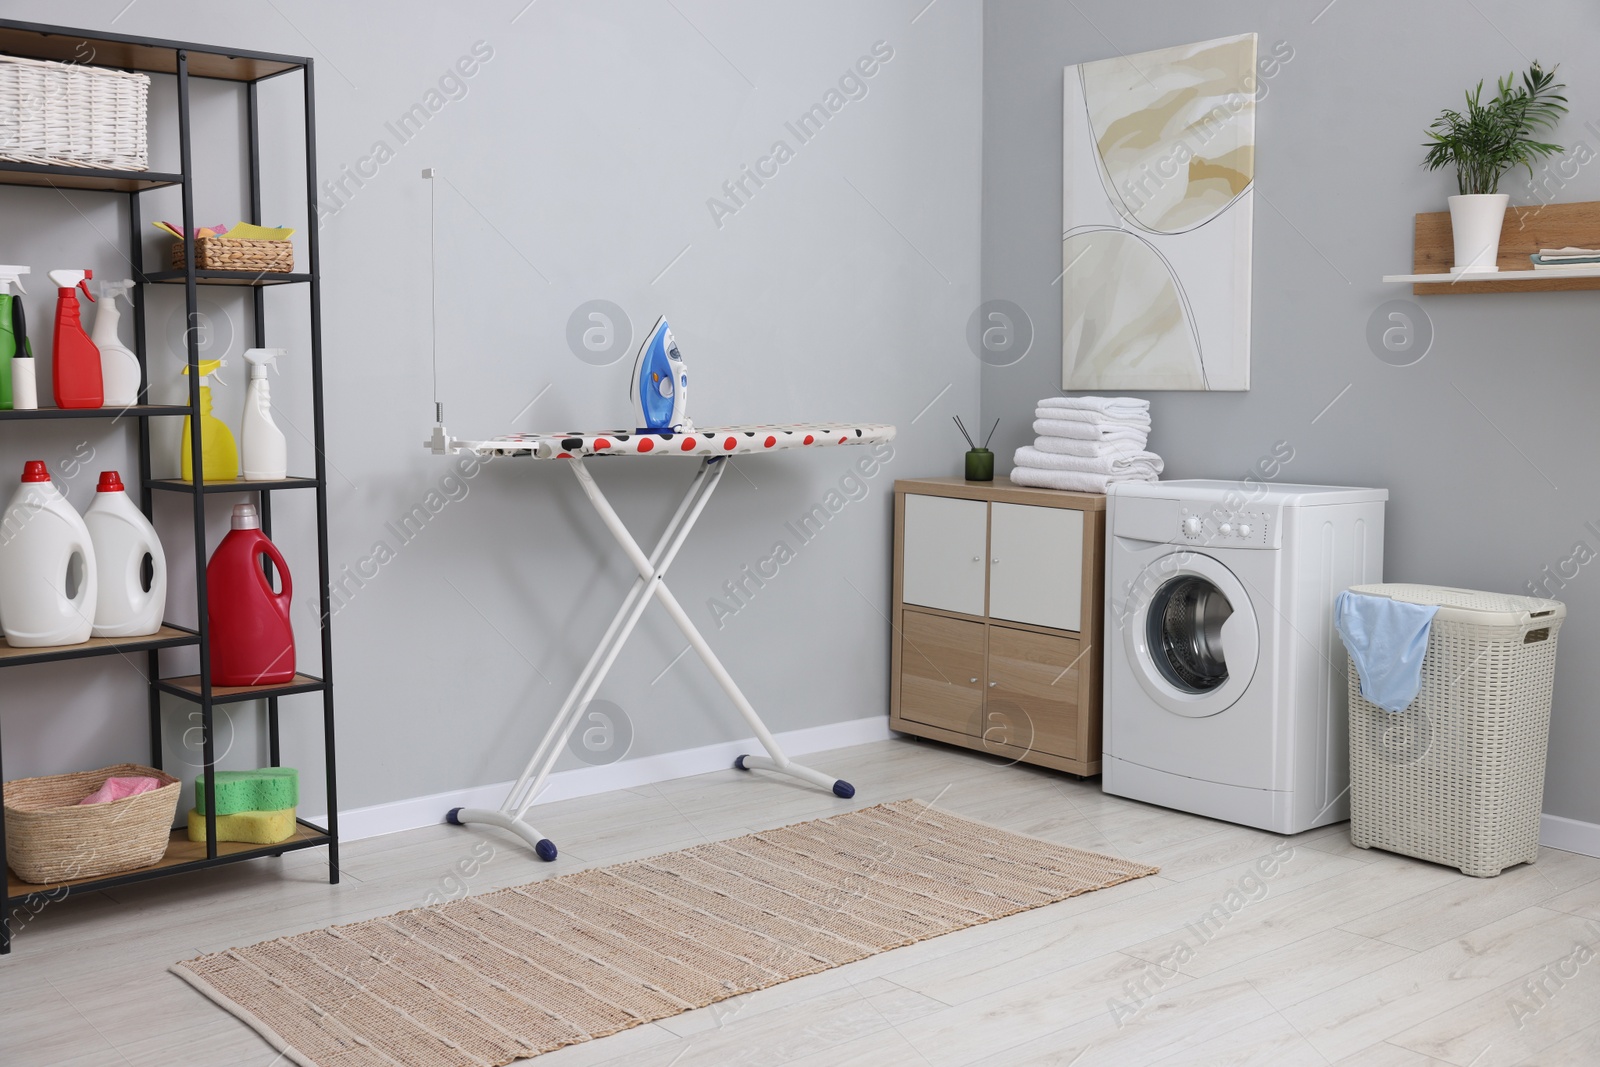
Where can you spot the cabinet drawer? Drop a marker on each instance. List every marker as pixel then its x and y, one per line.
pixel 1036 565
pixel 945 540
pixel 1033 691
pixel 941 671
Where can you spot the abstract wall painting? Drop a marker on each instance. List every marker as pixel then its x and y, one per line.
pixel 1158 195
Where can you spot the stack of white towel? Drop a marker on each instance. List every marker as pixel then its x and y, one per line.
pixel 1086 443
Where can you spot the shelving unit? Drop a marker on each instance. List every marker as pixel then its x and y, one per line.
pixel 1526 230
pixel 185 61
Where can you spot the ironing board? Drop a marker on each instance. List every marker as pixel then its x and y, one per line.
pixel 712 446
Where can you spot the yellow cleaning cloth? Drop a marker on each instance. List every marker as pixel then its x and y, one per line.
pixel 245 231
pixel 255 827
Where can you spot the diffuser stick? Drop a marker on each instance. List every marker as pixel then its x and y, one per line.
pixel 963 430
pixel 992 429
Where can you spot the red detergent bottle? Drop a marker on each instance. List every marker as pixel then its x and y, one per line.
pixel 75 360
pixel 252 642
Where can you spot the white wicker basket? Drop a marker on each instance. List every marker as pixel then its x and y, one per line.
pixel 1458 777
pixel 68 114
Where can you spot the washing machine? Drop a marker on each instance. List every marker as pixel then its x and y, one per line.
pixel 1224 677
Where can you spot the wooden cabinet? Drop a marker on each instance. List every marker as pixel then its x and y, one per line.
pixel 997 612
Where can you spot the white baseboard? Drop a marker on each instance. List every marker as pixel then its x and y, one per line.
pixel 409 814
pixel 1569 835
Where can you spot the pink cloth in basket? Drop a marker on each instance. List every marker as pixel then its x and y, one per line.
pixel 121 788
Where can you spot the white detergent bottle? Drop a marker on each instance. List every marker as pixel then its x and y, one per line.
pixel 48 582
pixel 264 453
pixel 126 549
pixel 119 367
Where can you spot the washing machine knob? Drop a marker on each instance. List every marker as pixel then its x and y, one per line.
pixel 1191 526
pixel 1244 529
pixel 1226 529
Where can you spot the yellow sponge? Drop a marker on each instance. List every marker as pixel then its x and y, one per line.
pixel 254 827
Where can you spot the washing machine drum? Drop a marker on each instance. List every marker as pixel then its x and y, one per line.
pixel 1185 621
pixel 1196 646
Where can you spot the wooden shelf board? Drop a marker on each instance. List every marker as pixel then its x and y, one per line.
pixel 189 686
pixel 131 411
pixel 232 485
pixel 225 277
pixel 180 851
pixel 139 53
pixel 1526 230
pixel 166 637
pixel 90 178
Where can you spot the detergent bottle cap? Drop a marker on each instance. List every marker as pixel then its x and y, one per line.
pixel 258 358
pixel 209 368
pixel 245 517
pixel 111 290
pixel 34 471
pixel 12 275
pixel 110 482
pixel 73 279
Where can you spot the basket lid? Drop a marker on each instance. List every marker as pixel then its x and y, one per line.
pixel 1471 605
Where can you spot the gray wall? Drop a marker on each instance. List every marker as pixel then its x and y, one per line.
pixel 578 161
pixel 1488 444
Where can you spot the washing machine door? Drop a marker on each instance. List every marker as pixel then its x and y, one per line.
pixel 1193 643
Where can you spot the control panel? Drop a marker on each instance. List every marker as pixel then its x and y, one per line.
pixel 1223 527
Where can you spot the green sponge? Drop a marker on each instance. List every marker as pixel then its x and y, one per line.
pixel 255 827
pixel 268 789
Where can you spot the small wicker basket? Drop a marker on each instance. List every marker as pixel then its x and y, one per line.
pixel 50 837
pixel 224 253
pixel 73 115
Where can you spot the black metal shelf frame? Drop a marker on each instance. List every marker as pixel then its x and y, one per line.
pixel 247 68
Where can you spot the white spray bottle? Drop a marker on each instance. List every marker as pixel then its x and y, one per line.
pixel 265 453
pixel 119 367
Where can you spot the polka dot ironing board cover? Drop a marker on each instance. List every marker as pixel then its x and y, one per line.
pixel 704 441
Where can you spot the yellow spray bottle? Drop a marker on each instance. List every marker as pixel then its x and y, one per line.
pixel 218 452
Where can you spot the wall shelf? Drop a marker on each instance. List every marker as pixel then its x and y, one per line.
pixel 244 68
pixel 1526 230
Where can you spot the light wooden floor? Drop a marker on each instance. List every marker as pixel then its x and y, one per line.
pixel 1339 956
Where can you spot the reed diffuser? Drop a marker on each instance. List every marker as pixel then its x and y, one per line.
pixel 980 461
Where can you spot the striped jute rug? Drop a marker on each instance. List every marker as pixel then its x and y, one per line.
pixel 516 972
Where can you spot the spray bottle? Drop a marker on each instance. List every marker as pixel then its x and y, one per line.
pixel 119 367
pixel 217 450
pixel 266 454
pixel 13 340
pixel 75 360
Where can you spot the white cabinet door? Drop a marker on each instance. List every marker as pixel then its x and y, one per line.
pixel 944 553
pixel 1036 565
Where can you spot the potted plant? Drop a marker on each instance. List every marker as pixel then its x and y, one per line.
pixel 1485 141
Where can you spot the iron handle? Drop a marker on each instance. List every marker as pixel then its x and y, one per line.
pixel 974 681
pixel 993 684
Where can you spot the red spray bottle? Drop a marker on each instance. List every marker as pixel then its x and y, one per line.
pixel 75 358
pixel 252 642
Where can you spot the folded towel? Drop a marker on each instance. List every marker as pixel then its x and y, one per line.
pixel 121 788
pixel 1387 640
pixel 1144 466
pixel 1083 431
pixel 1066 446
pixel 1077 481
pixel 1092 418
pixel 1106 405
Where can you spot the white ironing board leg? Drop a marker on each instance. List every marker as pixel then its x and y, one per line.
pixel 523 794
pixel 775 760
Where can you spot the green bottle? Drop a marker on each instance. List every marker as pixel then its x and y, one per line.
pixel 13 328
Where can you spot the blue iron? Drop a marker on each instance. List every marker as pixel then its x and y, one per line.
pixel 661 385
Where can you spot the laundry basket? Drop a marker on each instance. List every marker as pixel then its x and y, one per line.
pixel 1458 776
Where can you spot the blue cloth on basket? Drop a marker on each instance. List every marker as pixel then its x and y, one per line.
pixel 1387 640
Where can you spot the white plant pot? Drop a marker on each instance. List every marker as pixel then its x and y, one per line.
pixel 1475 222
